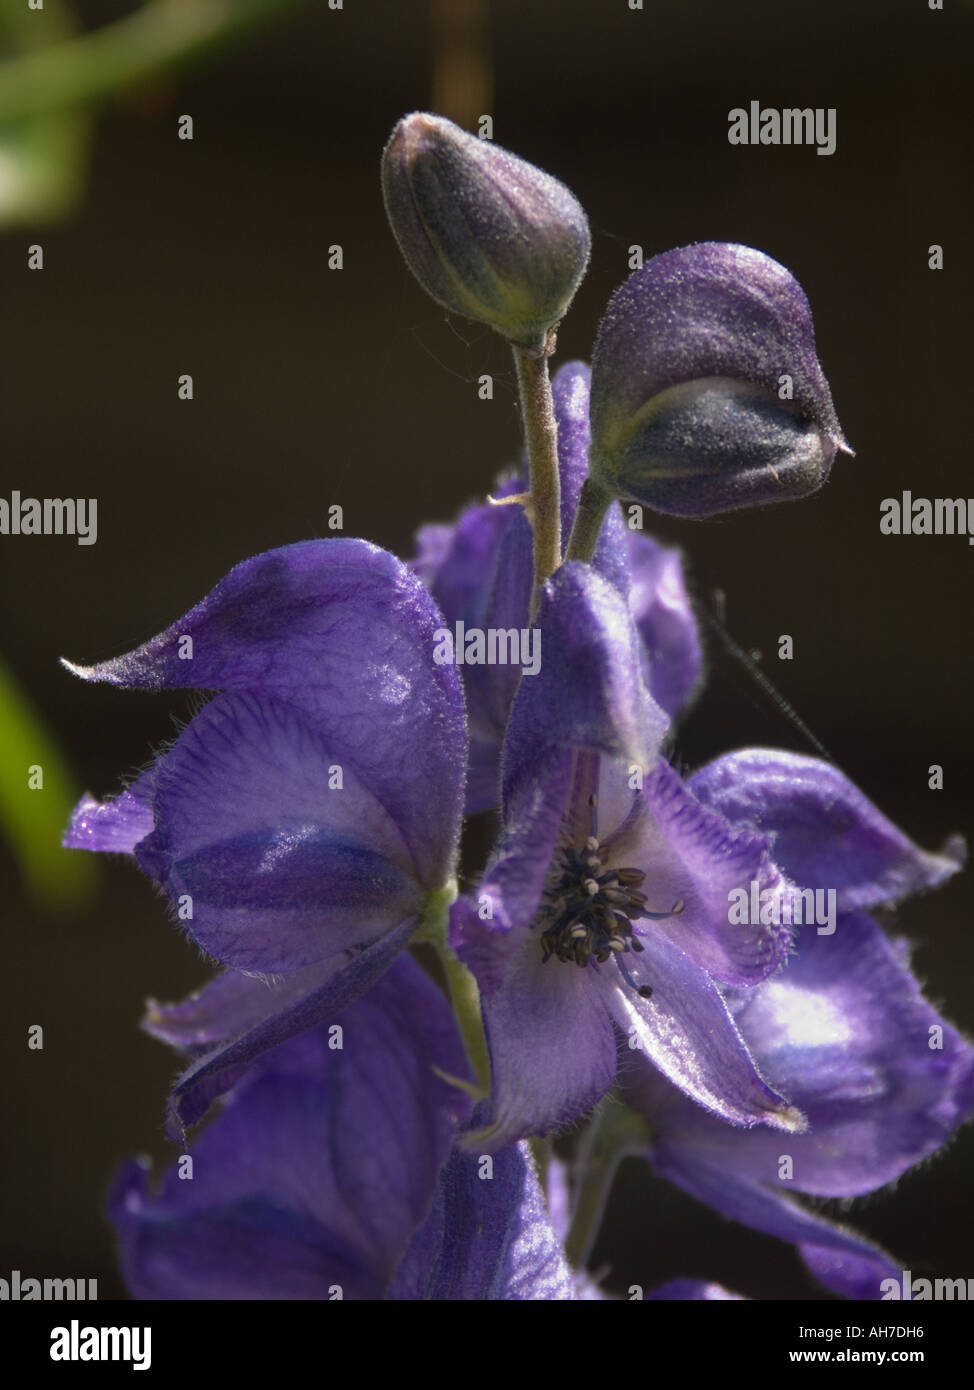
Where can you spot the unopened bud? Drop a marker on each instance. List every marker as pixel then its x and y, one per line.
pixel 707 395
pixel 488 235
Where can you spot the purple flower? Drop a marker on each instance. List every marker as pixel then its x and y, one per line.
pixel 844 1031
pixel 329 1174
pixel 633 888
pixel 480 573
pixel 306 819
pixel 707 394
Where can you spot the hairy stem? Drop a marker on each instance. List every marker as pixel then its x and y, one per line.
pixel 541 435
pixel 593 503
pixel 464 994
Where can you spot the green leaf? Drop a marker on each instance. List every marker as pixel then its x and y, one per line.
pixel 37 793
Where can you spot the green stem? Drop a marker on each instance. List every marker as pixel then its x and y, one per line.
pixel 593 503
pixel 614 1132
pixel 464 994
pixel 93 66
pixel 541 435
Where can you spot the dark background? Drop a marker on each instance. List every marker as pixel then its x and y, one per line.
pixel 314 386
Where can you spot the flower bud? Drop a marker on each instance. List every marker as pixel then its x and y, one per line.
pixel 488 235
pixel 707 394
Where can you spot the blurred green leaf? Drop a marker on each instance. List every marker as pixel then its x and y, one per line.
pixel 43 165
pixel 33 821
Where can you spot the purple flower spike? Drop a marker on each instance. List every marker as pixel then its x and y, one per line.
pixel 313 1181
pixel 629 884
pixel 845 1032
pixel 707 394
pixel 486 234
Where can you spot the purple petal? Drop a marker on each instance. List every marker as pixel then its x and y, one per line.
pixel 693 1291
pixel 711 310
pixel 482 924
pixel 247 1024
pixel 552 1045
pixel 343 633
pixel 826 833
pixel 486 1238
pixel 663 615
pixel 847 1034
pixel 845 1261
pixel 589 692
pixel 859 1274
pixel 571 390
pixel 885 1081
pixel 693 855
pixel 117 825
pixel 686 1029
pixel 319 1170
pixel 281 868
pixel 457 562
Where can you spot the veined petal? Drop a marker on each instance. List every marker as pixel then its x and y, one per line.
pixel 663 615
pixel 319 1170
pixel 883 1081
pixel 693 855
pixel 117 825
pixel 487 927
pixel 282 864
pixel 552 1045
pixel 845 1030
pixel 343 633
pixel 589 693
pixel 246 1020
pixel 844 1260
pixel 486 1240
pixel 687 1031
pixel 826 832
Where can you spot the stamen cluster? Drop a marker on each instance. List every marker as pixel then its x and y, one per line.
pixel 593 907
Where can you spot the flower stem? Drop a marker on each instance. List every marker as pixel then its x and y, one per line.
pixel 614 1132
pixel 464 994
pixel 593 503
pixel 466 1005
pixel 541 435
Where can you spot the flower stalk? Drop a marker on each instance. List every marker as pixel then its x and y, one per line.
pixel 541 437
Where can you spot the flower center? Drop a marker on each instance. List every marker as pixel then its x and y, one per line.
pixel 594 908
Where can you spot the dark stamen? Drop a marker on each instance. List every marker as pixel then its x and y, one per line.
pixel 643 990
pixel 594 909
